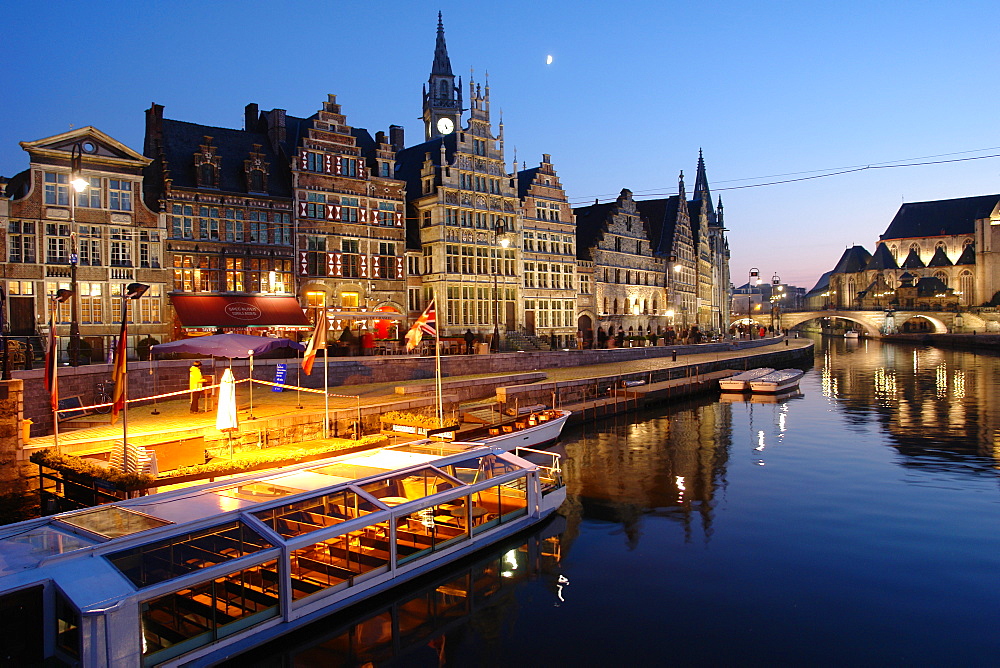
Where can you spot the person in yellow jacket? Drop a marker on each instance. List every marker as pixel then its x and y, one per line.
pixel 195 383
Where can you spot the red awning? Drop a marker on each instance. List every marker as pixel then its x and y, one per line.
pixel 238 311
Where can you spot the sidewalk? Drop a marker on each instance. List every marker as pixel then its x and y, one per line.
pixel 171 419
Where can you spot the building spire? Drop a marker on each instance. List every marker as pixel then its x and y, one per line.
pixel 701 189
pixel 442 64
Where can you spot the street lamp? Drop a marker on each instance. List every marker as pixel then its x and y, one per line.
pixel 777 292
pixel 500 238
pixel 132 291
pixel 753 279
pixel 79 185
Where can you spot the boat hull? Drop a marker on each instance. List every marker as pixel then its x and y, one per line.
pixel 779 381
pixel 532 437
pixel 741 381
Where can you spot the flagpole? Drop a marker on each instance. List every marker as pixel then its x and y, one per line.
pixel 326 396
pixel 437 367
pixel 126 465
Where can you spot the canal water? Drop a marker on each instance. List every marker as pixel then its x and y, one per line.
pixel 857 523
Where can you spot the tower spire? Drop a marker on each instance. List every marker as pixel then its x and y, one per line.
pixel 701 189
pixel 442 64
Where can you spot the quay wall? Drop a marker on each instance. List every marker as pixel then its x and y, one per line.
pixel 147 379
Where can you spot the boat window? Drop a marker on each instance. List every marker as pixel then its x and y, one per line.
pixel 414 485
pixel 502 503
pixel 164 560
pixel 67 625
pixel 29 548
pixel 112 521
pixel 341 561
pixel 348 471
pixel 196 616
pixel 302 517
pixel 258 491
pixel 480 468
pixel 428 529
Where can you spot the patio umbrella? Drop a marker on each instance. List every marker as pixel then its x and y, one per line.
pixel 226 345
pixel 226 419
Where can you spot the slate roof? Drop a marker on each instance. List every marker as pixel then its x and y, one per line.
pixel 929 286
pixel 853 260
pixel 525 178
pixel 939 259
pixel 408 164
pixel 968 255
pixel 18 185
pixel 940 218
pixel 590 226
pixel 661 219
pixel 882 259
pixel 181 140
pixel 912 261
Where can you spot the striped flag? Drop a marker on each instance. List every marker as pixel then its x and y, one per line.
pixel 425 324
pixel 317 342
pixel 119 373
pixel 52 363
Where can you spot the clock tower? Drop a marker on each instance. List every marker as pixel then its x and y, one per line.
pixel 442 98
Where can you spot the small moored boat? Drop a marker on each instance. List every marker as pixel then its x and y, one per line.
pixel 777 381
pixel 527 431
pixel 852 334
pixel 741 381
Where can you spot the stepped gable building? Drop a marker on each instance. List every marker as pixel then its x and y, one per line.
pixel 226 196
pixel 462 209
pixel 629 276
pixel 955 242
pixel 286 211
pixel 78 210
pixel 349 217
pixel 549 290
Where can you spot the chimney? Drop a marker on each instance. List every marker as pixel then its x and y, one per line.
pixel 251 117
pixel 396 137
pixel 276 127
pixel 379 139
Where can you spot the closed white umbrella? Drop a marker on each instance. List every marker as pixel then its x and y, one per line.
pixel 226 418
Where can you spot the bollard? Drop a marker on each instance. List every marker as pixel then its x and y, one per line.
pixel 786 342
pixel 673 355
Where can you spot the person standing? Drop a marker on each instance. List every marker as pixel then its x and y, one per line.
pixel 195 383
pixel 469 339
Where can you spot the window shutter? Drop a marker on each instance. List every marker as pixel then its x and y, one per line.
pixel 327 164
pixel 364 266
pixel 334 264
pixel 336 212
pixel 302 209
pixel 303 263
pixel 399 219
pixel 399 267
pixel 336 165
pixel 364 216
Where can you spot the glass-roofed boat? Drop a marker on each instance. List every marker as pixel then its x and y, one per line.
pixel 190 576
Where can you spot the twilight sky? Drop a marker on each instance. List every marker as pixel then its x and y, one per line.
pixel 771 91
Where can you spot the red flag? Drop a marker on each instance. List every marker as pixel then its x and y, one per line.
pixel 317 342
pixel 425 324
pixel 52 364
pixel 119 373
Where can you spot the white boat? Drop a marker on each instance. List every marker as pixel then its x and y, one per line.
pixel 741 381
pixel 852 334
pixel 777 381
pixel 194 575
pixel 527 431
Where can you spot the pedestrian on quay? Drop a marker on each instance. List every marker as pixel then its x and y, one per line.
pixel 469 339
pixel 196 382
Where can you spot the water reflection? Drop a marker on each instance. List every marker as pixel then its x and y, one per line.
pixel 938 407
pixel 428 621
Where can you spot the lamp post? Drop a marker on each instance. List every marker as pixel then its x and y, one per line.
pixel 500 239
pixel 132 291
pixel 79 185
pixel 777 292
pixel 753 279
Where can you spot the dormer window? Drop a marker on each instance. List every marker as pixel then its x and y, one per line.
pixel 256 181
pixel 206 176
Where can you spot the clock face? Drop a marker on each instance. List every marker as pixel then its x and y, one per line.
pixel 445 126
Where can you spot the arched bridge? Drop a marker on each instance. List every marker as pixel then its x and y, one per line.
pixel 873 323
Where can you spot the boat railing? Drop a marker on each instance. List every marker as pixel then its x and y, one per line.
pixel 549 466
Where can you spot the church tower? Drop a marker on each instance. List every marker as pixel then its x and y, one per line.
pixel 442 97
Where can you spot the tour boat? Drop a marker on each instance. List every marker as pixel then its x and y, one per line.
pixel 777 381
pixel 741 381
pixel 852 334
pixel 527 431
pixel 194 575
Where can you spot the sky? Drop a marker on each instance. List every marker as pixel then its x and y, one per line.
pixel 780 96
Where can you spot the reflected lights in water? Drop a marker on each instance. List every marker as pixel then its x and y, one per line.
pixel 941 381
pixel 885 386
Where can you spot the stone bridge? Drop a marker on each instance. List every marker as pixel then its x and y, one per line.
pixel 873 323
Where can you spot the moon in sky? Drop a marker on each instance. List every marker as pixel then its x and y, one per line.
pixel 548 60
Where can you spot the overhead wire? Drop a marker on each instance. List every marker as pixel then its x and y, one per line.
pixel 821 173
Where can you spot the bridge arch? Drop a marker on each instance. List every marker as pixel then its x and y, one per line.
pixel 874 323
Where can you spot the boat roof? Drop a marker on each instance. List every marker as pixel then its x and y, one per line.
pixel 59 547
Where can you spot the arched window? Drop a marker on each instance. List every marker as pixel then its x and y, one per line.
pixel 605 305
pixel 966 243
pixel 615 305
pixel 628 278
pixel 895 252
pixel 656 306
pixel 943 277
pixel 965 284
pixel 443 87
